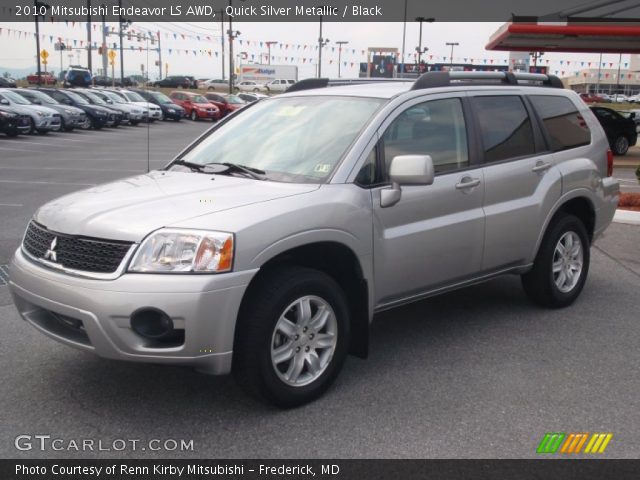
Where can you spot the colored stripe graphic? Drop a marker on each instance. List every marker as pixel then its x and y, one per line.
pixel 598 443
pixel 569 443
pixel 550 442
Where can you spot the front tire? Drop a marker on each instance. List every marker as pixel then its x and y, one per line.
pixel 560 269
pixel 292 336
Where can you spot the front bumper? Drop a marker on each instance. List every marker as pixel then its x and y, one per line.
pixel 173 114
pixel 48 123
pixel 204 306
pixel 155 114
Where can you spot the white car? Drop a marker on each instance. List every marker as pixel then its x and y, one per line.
pixel 279 85
pixel 634 99
pixel 619 98
pixel 249 86
pixel 154 112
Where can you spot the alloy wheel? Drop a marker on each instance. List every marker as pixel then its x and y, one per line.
pixel 567 262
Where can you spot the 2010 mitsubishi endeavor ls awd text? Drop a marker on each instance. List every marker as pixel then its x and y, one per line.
pixel 266 247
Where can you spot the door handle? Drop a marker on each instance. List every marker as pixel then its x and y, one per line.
pixel 541 167
pixel 467 182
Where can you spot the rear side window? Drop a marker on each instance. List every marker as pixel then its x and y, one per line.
pixel 505 127
pixel 564 124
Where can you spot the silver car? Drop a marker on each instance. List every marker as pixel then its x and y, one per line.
pixel 43 119
pixel 267 246
pixel 71 117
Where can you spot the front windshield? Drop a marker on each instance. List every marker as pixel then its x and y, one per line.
pixel 294 139
pixel 93 98
pixel 161 98
pixel 199 99
pixel 15 98
pixel 114 97
pixel 234 99
pixel 134 97
pixel 77 98
pixel 42 97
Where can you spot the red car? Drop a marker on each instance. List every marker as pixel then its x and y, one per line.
pixel 196 106
pixel 591 98
pixel 45 79
pixel 226 103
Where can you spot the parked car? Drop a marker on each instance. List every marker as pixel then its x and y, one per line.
pixel 251 97
pixel 250 86
pixel 43 119
pixel 77 76
pixel 216 84
pixel 619 98
pixel 98 116
pixel 71 117
pixel 154 112
pixel 634 99
pixel 279 85
pixel 45 79
pixel 170 111
pixel 225 103
pixel 134 113
pixel 173 81
pixel 591 98
pixel 196 106
pixel 7 82
pixel 621 132
pixel 318 222
pixel 120 116
pixel 12 123
pixel 193 83
pixel 633 115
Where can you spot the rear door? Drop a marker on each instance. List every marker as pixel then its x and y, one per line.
pixel 522 182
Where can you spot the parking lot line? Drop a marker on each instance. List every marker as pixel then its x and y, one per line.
pixel 11 205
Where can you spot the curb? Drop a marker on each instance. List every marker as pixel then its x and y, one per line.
pixel 627 216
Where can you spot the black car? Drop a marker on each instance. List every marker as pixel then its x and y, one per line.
pixel 103 81
pixel 620 131
pixel 77 76
pixel 94 100
pixel 13 123
pixel 174 81
pixel 170 111
pixel 98 116
pixel 7 82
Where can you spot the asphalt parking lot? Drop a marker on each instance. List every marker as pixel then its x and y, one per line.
pixel 477 373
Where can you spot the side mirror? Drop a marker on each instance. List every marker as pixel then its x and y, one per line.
pixel 406 170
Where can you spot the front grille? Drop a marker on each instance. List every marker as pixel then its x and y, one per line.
pixel 56 118
pixel 77 253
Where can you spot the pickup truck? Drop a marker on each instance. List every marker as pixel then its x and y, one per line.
pixel 45 79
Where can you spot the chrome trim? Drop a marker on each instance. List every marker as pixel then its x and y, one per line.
pixel 81 273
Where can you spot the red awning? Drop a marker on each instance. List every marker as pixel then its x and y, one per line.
pixel 554 37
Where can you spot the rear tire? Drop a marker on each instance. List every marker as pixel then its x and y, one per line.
pixel 620 145
pixel 291 368
pixel 561 266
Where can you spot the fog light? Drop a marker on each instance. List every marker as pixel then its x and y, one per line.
pixel 151 323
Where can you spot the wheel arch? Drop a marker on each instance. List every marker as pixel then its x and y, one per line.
pixel 341 263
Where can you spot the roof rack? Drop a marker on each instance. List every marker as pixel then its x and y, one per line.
pixel 310 83
pixel 446 79
pixel 439 79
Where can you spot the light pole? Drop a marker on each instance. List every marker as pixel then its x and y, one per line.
pixel 89 52
pixel 232 35
pixel 419 48
pixel 39 6
pixel 321 43
pixel 340 43
pixel 536 56
pixel 452 44
pixel 404 35
pixel 272 42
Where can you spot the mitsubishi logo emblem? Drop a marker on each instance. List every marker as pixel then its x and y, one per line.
pixel 51 253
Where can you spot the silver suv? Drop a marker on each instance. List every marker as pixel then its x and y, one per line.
pixel 267 246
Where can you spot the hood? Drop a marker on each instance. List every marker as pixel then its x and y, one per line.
pixel 148 105
pixel 130 208
pixel 36 108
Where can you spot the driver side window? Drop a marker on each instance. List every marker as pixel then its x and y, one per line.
pixel 434 128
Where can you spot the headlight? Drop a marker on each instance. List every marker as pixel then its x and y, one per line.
pixel 175 251
pixel 69 111
pixel 137 111
pixel 41 114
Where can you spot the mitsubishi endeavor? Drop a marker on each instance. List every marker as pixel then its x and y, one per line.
pixel 266 247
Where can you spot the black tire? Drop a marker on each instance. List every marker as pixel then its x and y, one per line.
pixel 12 133
pixel 539 283
pixel 194 116
pixel 134 123
pixel 267 300
pixel 42 131
pixel 94 124
pixel 620 145
pixel 33 130
pixel 177 119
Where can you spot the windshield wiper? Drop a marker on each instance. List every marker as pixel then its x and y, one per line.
pixel 255 173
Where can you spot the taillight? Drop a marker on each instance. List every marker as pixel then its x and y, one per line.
pixel 609 163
